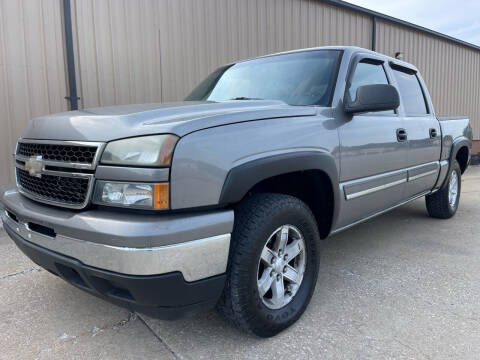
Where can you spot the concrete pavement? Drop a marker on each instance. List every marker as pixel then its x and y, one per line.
pixel 43 318
pixel 401 286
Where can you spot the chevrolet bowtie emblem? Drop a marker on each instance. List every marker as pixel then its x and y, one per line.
pixel 34 166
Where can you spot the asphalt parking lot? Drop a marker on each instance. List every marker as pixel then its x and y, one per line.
pixel 401 286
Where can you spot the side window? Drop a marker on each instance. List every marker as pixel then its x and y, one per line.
pixel 411 94
pixel 368 74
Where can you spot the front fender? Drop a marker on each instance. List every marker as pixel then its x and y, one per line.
pixel 242 178
pixel 203 160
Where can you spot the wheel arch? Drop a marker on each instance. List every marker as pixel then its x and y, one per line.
pixel 314 175
pixel 460 151
pixel 463 157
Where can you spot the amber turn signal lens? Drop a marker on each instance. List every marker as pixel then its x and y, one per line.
pixel 161 196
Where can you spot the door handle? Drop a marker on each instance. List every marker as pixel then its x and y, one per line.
pixel 402 135
pixel 433 133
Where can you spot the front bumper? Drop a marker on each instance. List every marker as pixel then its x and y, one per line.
pixel 166 296
pixel 182 276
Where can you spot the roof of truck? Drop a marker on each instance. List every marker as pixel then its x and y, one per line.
pixel 350 50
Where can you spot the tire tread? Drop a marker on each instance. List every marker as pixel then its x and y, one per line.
pixel 250 215
pixel 437 203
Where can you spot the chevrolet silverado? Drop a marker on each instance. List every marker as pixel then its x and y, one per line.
pixel 221 200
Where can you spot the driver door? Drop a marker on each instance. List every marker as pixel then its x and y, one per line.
pixel 373 152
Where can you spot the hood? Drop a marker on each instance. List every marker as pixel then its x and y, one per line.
pixel 180 118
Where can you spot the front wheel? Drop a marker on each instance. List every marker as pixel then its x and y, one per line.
pixel 273 264
pixel 443 204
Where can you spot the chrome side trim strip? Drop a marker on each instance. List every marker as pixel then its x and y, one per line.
pixel 379 213
pixel 374 189
pixel 411 178
pixel 386 180
pixel 197 259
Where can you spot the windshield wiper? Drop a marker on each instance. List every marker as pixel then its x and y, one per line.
pixel 244 98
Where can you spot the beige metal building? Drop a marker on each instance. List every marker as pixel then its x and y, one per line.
pixel 124 51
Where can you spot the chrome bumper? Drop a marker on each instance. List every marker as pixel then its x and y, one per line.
pixel 195 259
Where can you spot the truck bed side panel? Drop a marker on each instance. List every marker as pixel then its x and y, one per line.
pixel 454 129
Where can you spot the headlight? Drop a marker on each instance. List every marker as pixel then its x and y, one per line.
pixel 136 195
pixel 156 150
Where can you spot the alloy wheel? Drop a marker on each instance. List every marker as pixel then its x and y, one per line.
pixel 281 267
pixel 453 190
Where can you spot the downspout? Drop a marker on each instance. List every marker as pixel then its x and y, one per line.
pixel 374 32
pixel 72 81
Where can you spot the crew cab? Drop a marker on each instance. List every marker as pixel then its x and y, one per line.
pixel 221 200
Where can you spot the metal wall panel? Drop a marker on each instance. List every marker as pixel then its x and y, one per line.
pixel 32 70
pixel 215 32
pixel 158 50
pixel 117 51
pixel 451 71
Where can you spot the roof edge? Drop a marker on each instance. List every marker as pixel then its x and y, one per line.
pixel 395 20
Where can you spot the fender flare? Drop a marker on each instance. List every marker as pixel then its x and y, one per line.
pixel 459 143
pixel 242 178
pixel 456 145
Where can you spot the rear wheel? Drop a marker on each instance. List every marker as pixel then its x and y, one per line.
pixel 443 204
pixel 273 264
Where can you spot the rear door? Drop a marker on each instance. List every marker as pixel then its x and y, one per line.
pixel 422 129
pixel 373 156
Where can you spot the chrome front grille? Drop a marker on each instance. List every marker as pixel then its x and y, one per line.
pixel 58 173
pixel 60 189
pixel 56 152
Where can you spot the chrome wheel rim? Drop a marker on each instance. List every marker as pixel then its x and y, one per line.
pixel 453 190
pixel 281 267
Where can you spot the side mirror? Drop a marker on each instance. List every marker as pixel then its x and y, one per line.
pixel 378 97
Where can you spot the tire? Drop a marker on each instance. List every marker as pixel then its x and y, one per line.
pixel 257 219
pixel 439 204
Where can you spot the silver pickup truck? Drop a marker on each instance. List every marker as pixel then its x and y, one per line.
pixel 221 200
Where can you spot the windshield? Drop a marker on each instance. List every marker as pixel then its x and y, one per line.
pixel 303 78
